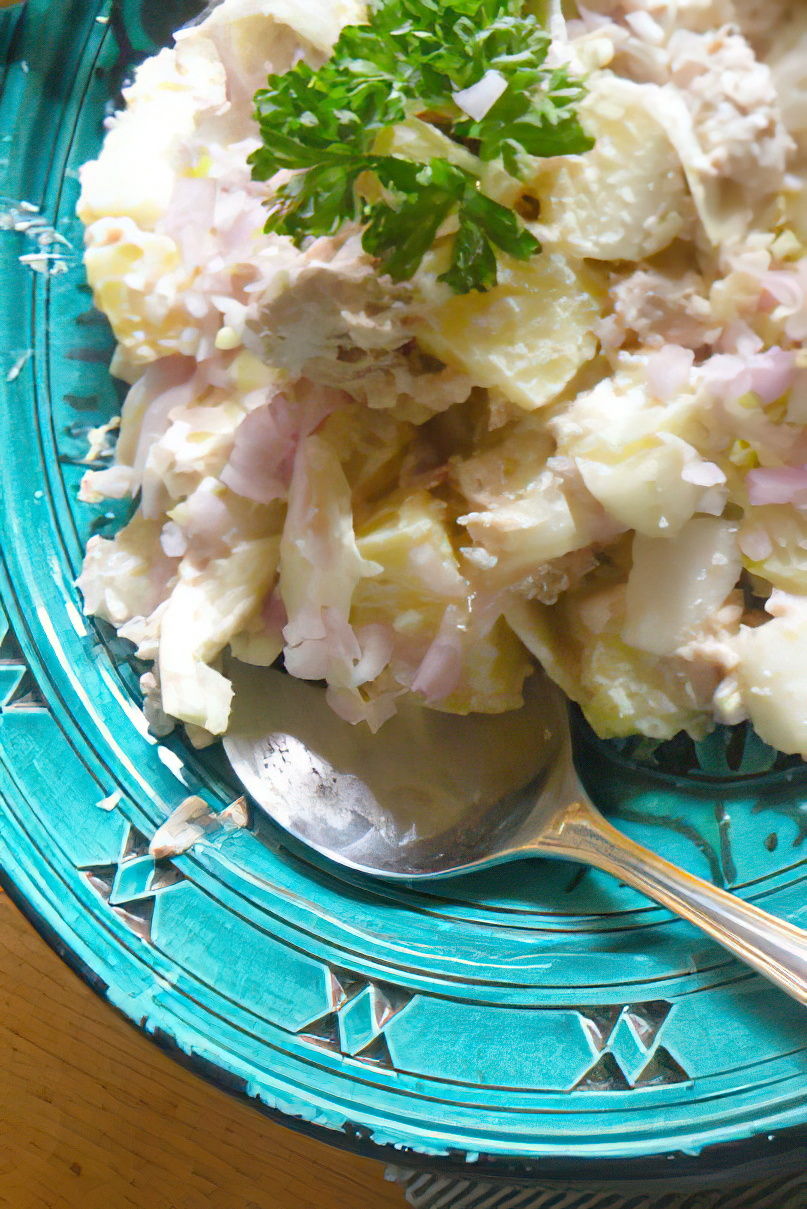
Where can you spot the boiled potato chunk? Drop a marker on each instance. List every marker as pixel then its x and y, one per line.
pixel 527 337
pixel 528 532
pixel 408 538
pixel 628 691
pixel 120 578
pixel 771 678
pixel 554 648
pixel 674 587
pixel 494 668
pixel 626 198
pixel 632 452
pixel 621 690
pixel 421 142
pixel 139 164
pixel 418 581
pixel 784 531
pixel 206 609
pixel 128 270
pixel 619 415
pixel 371 446
pixel 644 491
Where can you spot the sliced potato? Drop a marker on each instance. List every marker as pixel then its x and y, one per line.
pixel 626 198
pixel 126 268
pixel 140 161
pixel 628 691
pixel 783 530
pixel 421 142
pixel 530 531
pixel 409 540
pixel 674 587
pixel 771 678
pixel 621 690
pixel 644 491
pixel 537 625
pixel 631 452
pixel 205 610
pixel 528 336
pixel 418 581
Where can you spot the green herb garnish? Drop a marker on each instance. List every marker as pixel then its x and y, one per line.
pixel 409 61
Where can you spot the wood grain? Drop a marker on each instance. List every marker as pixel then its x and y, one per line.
pixel 93 1116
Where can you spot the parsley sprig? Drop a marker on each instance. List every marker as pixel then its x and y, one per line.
pixel 409 61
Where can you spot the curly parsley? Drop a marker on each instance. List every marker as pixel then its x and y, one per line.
pixel 409 61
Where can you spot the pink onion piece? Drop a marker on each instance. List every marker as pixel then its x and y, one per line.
pixel 772 373
pixel 703 474
pixel 768 375
pixel 166 384
pixel 274 612
pixel 439 674
pixel 207 521
pixel 317 402
pixel 262 458
pixel 376 642
pixel 189 218
pixel 352 707
pixel 645 28
pixel 783 288
pixel 592 20
pixel 741 339
pixel 238 218
pixel 307 626
pixel 668 371
pixel 173 540
pixel 785 291
pixel 478 100
pixel 777 485
pixel 332 643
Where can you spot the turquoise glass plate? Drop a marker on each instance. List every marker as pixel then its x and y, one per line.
pixel 542 1017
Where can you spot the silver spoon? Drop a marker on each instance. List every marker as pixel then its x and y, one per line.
pixel 435 795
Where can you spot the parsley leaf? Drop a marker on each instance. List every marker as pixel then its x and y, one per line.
pixel 401 235
pixel 409 60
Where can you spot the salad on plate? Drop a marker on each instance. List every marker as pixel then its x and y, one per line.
pixel 462 336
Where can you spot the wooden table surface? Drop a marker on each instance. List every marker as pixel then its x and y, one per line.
pixel 93 1116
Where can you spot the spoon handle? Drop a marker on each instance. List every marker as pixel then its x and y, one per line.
pixel 777 949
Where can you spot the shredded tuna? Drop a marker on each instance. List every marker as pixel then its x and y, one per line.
pixel 658 309
pixel 734 106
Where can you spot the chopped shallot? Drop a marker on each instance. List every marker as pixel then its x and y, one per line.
pixel 668 371
pixel 441 669
pixel 478 100
pixel 769 375
pixel 703 474
pixel 777 485
pixel 261 462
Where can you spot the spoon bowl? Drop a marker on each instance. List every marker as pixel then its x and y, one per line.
pixel 436 796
